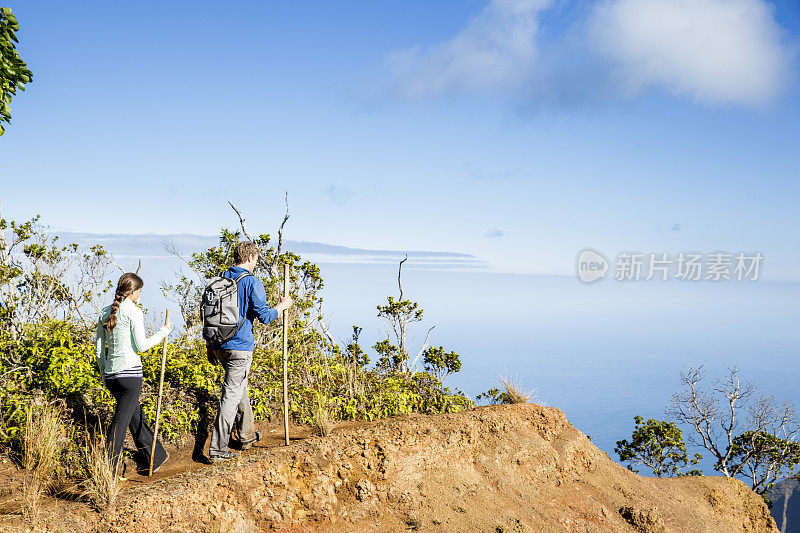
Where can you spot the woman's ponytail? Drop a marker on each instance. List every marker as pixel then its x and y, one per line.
pixel 127 285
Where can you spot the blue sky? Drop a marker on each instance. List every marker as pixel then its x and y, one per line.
pixel 516 131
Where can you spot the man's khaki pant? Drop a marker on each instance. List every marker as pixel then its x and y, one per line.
pixel 234 402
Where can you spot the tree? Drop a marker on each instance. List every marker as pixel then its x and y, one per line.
pixel 749 436
pixel 764 458
pixel 656 444
pixel 356 355
pixel 389 356
pixel 42 279
pixel 14 73
pixel 398 315
pixel 441 363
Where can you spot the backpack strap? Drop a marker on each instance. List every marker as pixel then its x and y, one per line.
pixel 242 275
pixel 244 315
pixel 105 355
pixel 237 278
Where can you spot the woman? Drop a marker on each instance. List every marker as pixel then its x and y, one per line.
pixel 120 334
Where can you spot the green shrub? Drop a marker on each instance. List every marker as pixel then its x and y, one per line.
pixel 59 362
pixel 658 445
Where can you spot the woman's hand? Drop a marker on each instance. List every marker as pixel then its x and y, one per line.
pixel 168 325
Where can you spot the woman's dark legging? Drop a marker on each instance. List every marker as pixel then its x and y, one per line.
pixel 129 415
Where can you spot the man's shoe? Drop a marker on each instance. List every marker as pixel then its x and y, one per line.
pixel 246 444
pixel 224 456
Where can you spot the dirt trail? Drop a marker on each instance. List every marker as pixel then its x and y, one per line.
pixel 500 468
pixel 182 459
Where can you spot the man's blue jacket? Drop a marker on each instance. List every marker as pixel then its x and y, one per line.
pixel 252 304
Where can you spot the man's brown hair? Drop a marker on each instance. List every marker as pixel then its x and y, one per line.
pixel 243 251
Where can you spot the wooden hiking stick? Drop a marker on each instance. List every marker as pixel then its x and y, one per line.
pixel 158 405
pixel 286 356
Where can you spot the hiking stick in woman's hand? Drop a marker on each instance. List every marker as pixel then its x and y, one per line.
pixel 158 405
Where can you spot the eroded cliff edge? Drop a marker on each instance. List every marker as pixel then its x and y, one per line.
pixel 497 468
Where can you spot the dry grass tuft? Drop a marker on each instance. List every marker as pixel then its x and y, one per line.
pixel 43 439
pixel 100 482
pixel 42 442
pixel 31 495
pixel 323 420
pixel 513 392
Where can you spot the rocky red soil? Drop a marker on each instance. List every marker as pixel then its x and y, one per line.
pixel 505 468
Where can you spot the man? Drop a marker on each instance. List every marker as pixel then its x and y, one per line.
pixel 236 356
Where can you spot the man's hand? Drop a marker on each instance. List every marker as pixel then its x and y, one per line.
pixel 210 355
pixel 285 303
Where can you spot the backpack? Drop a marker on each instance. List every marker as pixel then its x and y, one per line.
pixel 219 308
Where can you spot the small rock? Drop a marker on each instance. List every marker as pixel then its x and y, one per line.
pixel 715 499
pixel 645 520
pixel 393 495
pixel 364 489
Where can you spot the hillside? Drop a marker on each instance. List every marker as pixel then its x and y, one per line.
pixel 785 497
pixel 498 468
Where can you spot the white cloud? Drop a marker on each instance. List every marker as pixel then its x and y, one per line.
pixel 495 51
pixel 495 233
pixel 710 51
pixel 338 195
pixel 713 51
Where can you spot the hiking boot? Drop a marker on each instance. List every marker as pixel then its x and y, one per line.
pixel 246 444
pixel 155 468
pixel 224 456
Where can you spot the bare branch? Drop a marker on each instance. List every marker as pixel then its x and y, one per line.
pixel 280 236
pixel 413 364
pixel 697 409
pixel 171 249
pixel 241 221
pixel 111 262
pixel 324 327
pixel 399 272
pixel 5 255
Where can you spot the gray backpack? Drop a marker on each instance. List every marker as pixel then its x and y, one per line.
pixel 220 308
